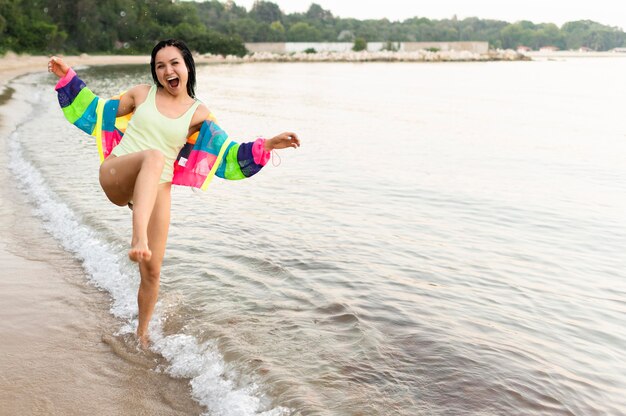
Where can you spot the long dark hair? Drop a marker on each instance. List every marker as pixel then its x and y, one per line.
pixel 187 57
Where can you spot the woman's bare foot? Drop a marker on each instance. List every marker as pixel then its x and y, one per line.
pixel 144 341
pixel 139 252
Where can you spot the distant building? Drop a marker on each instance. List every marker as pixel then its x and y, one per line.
pixel 523 49
pixel 474 47
pixel 548 49
pixel 584 49
pixel 619 50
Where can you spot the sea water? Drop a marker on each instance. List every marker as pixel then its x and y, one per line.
pixel 449 239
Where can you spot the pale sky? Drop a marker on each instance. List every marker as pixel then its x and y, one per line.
pixel 608 12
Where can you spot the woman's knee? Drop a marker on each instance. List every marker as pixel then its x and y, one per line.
pixel 154 159
pixel 110 184
pixel 106 174
pixel 150 274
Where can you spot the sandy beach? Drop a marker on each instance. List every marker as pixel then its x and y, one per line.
pixel 58 354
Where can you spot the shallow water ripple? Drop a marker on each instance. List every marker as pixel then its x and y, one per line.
pixel 453 252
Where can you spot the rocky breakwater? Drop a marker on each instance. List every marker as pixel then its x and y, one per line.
pixel 380 56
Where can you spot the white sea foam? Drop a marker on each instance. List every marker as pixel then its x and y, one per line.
pixel 204 365
pixel 98 258
pixel 213 382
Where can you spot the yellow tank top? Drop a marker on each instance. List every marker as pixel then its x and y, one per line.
pixel 149 129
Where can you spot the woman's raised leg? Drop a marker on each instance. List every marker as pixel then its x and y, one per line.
pixel 150 270
pixel 134 177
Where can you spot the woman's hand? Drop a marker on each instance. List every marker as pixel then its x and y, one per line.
pixel 282 141
pixel 57 66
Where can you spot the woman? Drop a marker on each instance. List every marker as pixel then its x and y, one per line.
pixel 170 138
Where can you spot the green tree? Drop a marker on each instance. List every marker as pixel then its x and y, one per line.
pixel 277 32
pixel 266 11
pixel 515 35
pixel 246 28
pixel 216 43
pixel 133 26
pixel 3 23
pixel 316 12
pixel 547 34
pixel 592 35
pixel 188 32
pixel 359 45
pixel 303 32
pixel 26 27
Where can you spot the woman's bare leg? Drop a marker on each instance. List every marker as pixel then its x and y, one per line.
pixel 150 270
pixel 134 176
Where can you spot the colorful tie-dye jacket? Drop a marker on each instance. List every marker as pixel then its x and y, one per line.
pixel 207 153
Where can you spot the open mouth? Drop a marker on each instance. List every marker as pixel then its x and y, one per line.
pixel 173 82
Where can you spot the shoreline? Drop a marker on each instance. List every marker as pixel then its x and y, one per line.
pixel 59 353
pixel 13 65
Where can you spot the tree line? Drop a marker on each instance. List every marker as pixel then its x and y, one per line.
pixel 134 26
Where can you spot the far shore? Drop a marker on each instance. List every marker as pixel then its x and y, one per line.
pixel 12 65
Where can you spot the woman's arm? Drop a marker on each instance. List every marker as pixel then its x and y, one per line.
pixel 282 141
pixel 209 152
pixel 103 119
pixel 132 98
pixel 127 101
pixel 57 66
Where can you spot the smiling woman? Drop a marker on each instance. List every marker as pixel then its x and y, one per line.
pixel 169 64
pixel 151 137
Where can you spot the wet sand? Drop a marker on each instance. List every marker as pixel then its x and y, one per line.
pixel 58 353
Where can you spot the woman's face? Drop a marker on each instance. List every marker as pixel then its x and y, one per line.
pixel 171 70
